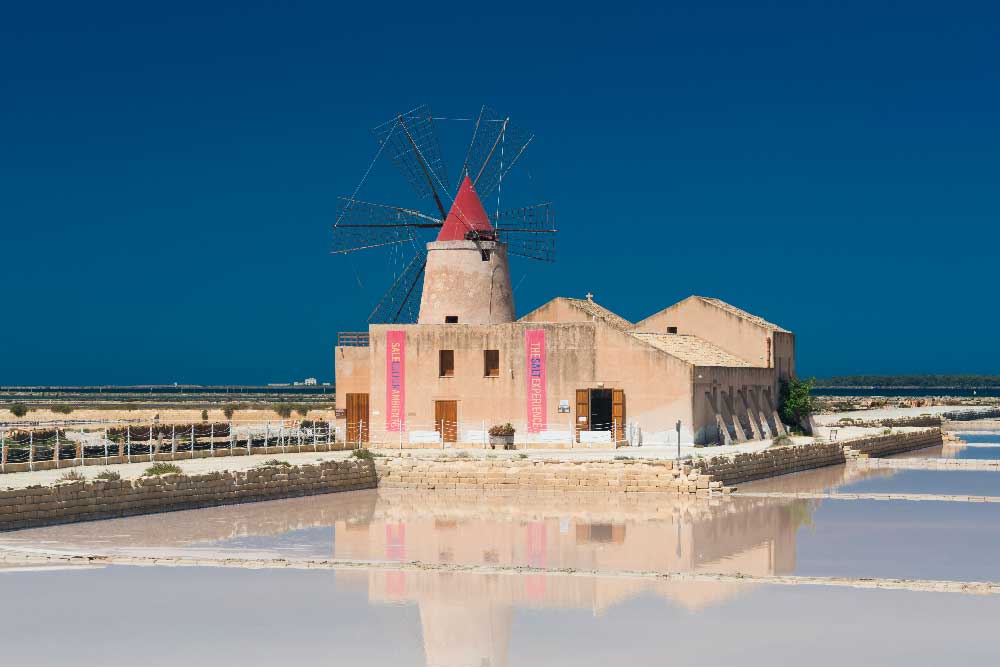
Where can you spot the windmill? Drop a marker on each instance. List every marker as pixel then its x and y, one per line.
pixel 413 146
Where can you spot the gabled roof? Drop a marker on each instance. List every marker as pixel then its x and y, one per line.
pixel 742 314
pixel 693 350
pixel 600 312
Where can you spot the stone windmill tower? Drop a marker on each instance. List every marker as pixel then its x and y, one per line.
pixel 462 275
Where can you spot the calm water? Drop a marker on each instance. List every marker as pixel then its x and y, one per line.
pixel 164 616
pixel 941 482
pixel 155 617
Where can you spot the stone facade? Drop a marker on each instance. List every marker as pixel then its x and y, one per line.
pixel 542 475
pixel 99 499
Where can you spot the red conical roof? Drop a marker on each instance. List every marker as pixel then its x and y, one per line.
pixel 466 214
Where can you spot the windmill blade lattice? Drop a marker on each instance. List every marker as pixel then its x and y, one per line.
pixel 415 150
pixel 528 231
pixel 362 225
pixel 402 302
pixel 495 148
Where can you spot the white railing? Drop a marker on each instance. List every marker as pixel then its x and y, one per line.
pixel 116 442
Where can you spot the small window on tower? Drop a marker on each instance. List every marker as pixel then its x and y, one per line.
pixel 451 319
pixel 446 363
pixel 671 329
pixel 491 363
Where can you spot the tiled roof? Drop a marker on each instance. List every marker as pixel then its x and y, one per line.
pixel 728 307
pixel 691 349
pixel 602 313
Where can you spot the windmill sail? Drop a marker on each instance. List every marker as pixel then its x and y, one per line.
pixel 401 304
pixel 414 148
pixel 528 231
pixel 362 225
pixel 495 148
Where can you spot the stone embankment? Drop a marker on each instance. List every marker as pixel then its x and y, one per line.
pixel 543 475
pixel 67 502
pixel 776 461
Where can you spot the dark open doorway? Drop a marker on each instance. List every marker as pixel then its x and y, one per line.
pixel 600 409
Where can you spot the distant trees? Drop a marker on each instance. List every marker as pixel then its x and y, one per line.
pixel 957 381
pixel 18 409
pixel 62 409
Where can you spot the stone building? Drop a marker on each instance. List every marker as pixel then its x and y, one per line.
pixel 568 373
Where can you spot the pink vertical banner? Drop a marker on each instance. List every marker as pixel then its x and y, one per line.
pixel 395 380
pixel 534 345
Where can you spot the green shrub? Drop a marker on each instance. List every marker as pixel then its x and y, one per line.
pixel 162 468
pixel 71 476
pixel 18 409
pixel 229 410
pixel 796 401
pixel 887 431
pixel 782 440
pixel 62 409
pixel 283 410
pixel 364 454
pixel 522 455
pixel 301 410
pixel 109 475
pixel 204 415
pixel 623 458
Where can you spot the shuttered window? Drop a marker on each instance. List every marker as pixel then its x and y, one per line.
pixel 446 363
pixel 491 363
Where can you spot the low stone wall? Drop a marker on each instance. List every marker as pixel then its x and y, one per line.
pixel 775 461
pixel 918 421
pixel 896 443
pixel 984 425
pixel 84 501
pixel 771 462
pixel 541 475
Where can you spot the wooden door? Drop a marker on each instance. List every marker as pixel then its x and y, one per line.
pixel 446 420
pixel 582 411
pixel 358 425
pixel 618 413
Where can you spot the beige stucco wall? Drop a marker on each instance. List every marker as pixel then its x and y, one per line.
pixel 579 355
pixel 557 310
pixel 735 335
pixel 719 379
pixel 352 370
pixel 570 360
pixel 458 282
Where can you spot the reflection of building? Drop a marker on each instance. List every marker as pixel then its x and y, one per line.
pixel 466 617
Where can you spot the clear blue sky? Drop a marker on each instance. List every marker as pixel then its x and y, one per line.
pixel 169 172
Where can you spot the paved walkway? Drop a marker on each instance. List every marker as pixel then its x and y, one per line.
pixel 653 452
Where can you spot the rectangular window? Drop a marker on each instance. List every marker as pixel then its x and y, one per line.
pixel 672 330
pixel 491 363
pixel 446 363
pixel 451 319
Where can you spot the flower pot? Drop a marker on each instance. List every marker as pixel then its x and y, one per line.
pixel 502 441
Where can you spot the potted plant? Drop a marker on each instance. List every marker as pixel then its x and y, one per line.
pixel 502 435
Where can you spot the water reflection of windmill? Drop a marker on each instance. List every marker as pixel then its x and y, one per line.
pixel 410 139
